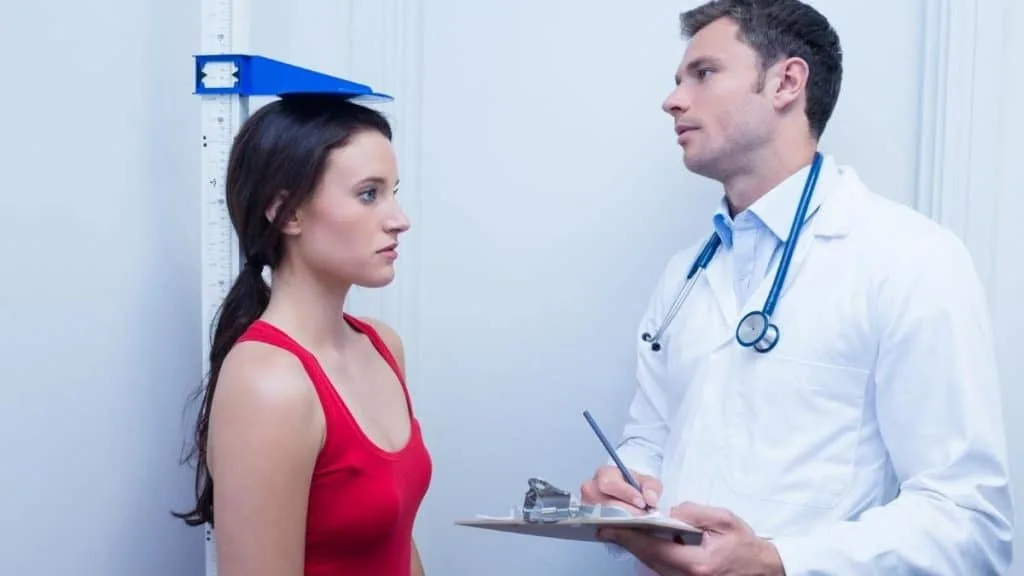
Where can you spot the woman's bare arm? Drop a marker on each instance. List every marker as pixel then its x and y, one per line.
pixel 417 564
pixel 265 433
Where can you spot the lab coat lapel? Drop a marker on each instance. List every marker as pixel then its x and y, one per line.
pixel 803 246
pixel 719 279
pixel 829 219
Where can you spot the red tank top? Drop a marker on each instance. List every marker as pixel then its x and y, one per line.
pixel 363 499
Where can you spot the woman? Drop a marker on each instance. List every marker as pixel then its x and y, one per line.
pixel 307 435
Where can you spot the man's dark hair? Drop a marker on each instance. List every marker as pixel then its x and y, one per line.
pixel 778 29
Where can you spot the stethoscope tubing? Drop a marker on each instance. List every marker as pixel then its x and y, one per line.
pixel 797 227
pixel 766 337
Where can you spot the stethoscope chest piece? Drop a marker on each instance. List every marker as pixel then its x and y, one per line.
pixel 757 332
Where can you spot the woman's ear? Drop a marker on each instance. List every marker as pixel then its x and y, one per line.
pixel 290 226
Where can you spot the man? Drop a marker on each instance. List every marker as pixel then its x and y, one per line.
pixel 870 439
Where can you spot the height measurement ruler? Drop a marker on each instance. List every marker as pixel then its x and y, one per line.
pixel 225 30
pixel 221 114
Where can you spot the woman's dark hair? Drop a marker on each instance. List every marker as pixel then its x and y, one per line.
pixel 281 149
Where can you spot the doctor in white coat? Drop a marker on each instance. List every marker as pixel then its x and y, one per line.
pixel 859 429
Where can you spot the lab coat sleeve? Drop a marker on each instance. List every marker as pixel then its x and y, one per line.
pixel 646 429
pixel 940 415
pixel 647 426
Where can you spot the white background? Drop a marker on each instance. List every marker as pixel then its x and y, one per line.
pixel 545 190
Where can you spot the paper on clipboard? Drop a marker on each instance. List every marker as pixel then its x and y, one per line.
pixel 549 512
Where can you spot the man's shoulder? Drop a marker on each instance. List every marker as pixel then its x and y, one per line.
pixel 903 232
pixel 909 249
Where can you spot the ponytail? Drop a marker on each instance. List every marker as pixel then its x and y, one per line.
pixel 245 302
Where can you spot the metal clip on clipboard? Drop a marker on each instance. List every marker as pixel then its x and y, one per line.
pixel 544 504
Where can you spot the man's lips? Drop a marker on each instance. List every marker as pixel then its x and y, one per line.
pixel 681 133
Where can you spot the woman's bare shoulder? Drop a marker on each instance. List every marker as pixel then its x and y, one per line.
pixel 265 402
pixel 265 377
pixel 390 337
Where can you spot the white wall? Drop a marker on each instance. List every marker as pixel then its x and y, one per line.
pixel 545 190
pixel 99 312
pixel 1005 243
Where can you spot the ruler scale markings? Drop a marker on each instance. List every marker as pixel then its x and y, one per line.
pixel 219 119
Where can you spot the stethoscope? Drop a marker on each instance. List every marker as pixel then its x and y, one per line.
pixel 755 329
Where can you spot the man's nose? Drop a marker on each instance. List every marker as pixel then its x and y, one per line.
pixel 677 101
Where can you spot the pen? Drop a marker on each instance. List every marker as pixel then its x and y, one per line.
pixel 611 451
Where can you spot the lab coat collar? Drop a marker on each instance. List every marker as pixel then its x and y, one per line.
pixel 829 215
pixel 776 207
pixel 842 190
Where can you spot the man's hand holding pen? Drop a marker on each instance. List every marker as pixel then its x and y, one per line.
pixel 609 487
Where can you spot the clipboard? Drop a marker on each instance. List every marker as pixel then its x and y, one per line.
pixel 550 512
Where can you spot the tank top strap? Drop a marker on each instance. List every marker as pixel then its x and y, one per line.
pixel 382 348
pixel 266 333
pixel 261 331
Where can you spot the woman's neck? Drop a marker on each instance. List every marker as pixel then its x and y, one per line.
pixel 309 310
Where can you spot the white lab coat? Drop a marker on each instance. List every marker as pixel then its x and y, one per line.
pixel 870 440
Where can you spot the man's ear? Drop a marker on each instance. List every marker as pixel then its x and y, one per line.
pixel 289 226
pixel 790 81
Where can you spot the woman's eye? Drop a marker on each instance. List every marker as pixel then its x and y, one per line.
pixel 368 195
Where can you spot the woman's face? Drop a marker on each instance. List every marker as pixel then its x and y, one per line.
pixel 348 230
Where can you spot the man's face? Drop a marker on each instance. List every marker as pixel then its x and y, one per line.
pixel 719 116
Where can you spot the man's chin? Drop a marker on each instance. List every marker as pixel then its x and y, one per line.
pixel 694 162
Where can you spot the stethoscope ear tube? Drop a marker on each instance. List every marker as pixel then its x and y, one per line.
pixel 696 270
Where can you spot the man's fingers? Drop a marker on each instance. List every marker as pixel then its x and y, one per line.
pixel 648 483
pixel 589 494
pixel 651 488
pixel 609 487
pixel 611 484
pixel 651 497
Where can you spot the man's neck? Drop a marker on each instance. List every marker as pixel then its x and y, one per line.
pixel 765 171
